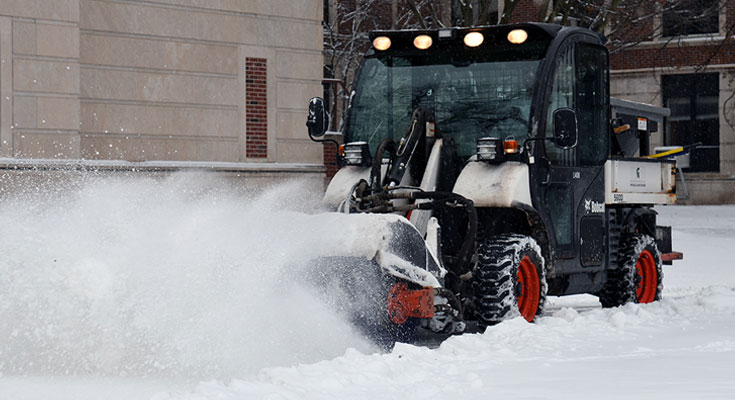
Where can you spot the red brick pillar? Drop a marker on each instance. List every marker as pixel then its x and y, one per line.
pixel 330 160
pixel 256 108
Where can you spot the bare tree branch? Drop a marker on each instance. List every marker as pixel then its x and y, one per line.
pixel 415 10
pixel 510 5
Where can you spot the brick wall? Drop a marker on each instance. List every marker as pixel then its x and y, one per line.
pixel 675 53
pixel 330 160
pixel 526 11
pixel 256 112
pixel 673 56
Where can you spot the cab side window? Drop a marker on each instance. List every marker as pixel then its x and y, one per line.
pixel 580 82
pixel 562 96
pixel 592 105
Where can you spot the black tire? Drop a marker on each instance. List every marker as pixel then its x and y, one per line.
pixel 497 285
pixel 638 276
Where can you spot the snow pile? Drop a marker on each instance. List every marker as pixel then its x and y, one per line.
pixel 673 349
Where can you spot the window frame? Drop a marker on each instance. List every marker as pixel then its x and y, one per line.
pixel 691 85
pixel 684 28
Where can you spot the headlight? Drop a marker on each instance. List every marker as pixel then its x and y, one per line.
pixel 489 148
pixel 358 153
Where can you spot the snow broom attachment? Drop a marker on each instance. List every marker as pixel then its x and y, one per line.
pixel 417 290
pixel 405 255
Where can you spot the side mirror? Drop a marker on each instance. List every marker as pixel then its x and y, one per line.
pixel 565 128
pixel 318 119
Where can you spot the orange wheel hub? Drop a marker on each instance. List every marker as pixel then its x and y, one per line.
pixel 645 268
pixel 530 288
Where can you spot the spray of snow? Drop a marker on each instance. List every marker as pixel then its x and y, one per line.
pixel 177 277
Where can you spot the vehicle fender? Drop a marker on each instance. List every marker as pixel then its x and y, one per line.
pixel 643 219
pixel 495 185
pixel 342 183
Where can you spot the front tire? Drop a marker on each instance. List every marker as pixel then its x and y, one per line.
pixel 638 277
pixel 509 279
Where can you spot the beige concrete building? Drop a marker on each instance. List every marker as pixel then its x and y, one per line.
pixel 160 85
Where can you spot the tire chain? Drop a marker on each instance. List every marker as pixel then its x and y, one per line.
pixel 493 277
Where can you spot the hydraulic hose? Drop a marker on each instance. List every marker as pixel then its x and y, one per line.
pixel 375 176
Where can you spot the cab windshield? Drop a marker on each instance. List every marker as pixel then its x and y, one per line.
pixel 470 97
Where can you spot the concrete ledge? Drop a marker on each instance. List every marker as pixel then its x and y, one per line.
pixel 706 188
pixel 157 166
pixel 19 177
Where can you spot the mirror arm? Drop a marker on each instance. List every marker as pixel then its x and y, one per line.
pixel 336 146
pixel 336 143
pixel 534 139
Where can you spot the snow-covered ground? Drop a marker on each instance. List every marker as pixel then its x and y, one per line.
pixel 182 290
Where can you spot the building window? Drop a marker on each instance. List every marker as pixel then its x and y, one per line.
pixel 691 17
pixel 694 101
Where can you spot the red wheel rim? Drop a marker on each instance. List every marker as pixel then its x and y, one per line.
pixel 645 268
pixel 530 289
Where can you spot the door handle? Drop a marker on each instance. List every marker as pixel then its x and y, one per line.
pixel 545 168
pixel 547 180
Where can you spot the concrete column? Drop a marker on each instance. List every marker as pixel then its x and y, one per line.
pixel 727 123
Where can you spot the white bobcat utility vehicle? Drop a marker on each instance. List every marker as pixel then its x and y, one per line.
pixel 513 176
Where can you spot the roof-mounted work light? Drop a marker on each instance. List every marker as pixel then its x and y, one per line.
pixel 381 43
pixel 474 39
pixel 422 42
pixel 517 36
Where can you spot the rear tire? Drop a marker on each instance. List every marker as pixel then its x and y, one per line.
pixel 509 279
pixel 638 277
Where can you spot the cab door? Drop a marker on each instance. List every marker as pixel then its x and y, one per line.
pixel 572 193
